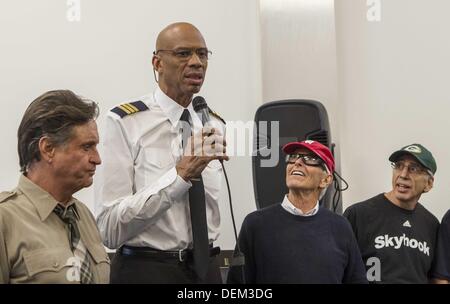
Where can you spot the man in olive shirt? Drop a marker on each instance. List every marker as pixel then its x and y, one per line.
pixel 46 235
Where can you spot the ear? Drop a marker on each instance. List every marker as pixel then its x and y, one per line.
pixel 157 63
pixel 326 181
pixel 429 184
pixel 47 149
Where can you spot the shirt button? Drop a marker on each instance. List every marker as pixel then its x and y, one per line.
pixel 55 265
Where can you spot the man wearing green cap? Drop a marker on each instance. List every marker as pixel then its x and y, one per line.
pixel 395 233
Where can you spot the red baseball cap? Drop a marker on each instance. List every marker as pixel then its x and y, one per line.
pixel 317 148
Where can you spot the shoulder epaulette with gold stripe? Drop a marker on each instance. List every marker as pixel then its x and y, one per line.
pixel 130 108
pixel 216 115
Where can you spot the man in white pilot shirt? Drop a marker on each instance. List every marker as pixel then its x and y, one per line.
pixel 143 188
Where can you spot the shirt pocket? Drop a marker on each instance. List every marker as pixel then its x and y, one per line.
pixel 101 263
pixel 158 159
pixel 49 265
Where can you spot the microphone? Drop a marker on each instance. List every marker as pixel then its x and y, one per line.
pixel 202 110
pixel 200 106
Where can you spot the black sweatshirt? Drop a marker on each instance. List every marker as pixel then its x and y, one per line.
pixel 403 241
pixel 442 265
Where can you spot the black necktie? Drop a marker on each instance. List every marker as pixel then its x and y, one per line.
pixel 197 208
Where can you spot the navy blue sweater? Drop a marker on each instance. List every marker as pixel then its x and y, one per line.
pixel 280 247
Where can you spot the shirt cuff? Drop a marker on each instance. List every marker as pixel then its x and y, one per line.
pixel 179 188
pixel 172 183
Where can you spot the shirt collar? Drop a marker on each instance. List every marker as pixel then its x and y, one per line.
pixel 41 199
pixel 289 207
pixel 173 110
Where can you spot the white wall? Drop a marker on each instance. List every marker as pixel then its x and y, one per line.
pixel 393 83
pixel 299 53
pixel 107 57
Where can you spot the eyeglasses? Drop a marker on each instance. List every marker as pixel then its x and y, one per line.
pixel 412 168
pixel 186 54
pixel 308 159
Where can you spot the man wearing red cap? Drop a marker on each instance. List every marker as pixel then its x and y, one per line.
pixel 396 234
pixel 297 241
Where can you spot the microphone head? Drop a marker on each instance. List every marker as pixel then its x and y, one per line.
pixel 199 103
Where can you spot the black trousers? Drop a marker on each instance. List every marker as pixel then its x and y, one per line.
pixel 144 270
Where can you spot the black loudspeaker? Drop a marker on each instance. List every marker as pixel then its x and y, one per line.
pixel 278 123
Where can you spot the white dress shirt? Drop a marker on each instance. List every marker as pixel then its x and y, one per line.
pixel 141 199
pixel 289 207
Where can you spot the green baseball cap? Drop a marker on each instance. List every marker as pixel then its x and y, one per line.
pixel 420 153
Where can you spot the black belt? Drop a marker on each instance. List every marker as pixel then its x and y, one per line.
pixel 147 252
